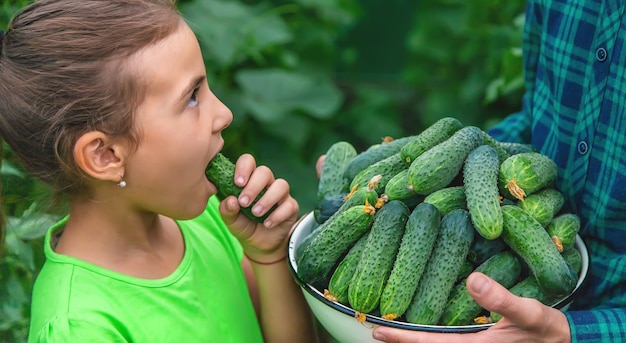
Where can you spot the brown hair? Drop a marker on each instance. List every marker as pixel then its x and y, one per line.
pixel 63 73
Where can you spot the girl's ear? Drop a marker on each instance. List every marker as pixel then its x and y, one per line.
pixel 100 158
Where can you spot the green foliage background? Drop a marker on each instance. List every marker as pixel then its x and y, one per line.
pixel 300 76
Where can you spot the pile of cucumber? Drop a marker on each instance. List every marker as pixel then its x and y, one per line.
pixel 399 226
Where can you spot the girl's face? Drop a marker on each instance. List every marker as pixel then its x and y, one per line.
pixel 180 123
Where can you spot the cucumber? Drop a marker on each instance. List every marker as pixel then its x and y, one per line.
pixel 527 288
pixel 398 187
pixel 482 248
pixel 372 155
pixel 503 154
pixel 342 276
pixel 532 243
pixel 417 243
pixel 331 181
pixel 563 230
pixel 448 199
pixel 456 234
pixel 335 238
pixel 307 240
pixel 387 168
pixel 461 308
pixel 365 195
pixel 436 133
pixel 514 148
pixel 327 207
pixel 480 177
pixel 437 167
pixel 543 205
pixel 526 173
pixel 574 258
pixel 467 268
pixel 221 172
pixel 378 257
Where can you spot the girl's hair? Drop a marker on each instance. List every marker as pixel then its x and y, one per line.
pixel 63 73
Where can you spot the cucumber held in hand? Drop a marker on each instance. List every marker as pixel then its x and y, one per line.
pixel 221 172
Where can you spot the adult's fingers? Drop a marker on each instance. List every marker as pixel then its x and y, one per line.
pixel 492 296
pixel 319 164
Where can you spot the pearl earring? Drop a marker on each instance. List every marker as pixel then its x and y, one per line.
pixel 122 183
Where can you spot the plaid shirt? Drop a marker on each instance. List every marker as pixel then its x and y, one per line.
pixel 574 111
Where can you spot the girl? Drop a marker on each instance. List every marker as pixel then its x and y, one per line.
pixel 108 101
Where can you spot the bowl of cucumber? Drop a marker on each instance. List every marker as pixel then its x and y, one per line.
pixel 347 325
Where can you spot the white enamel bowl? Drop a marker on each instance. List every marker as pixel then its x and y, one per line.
pixel 339 320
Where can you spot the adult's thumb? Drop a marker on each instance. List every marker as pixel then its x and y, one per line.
pixel 494 297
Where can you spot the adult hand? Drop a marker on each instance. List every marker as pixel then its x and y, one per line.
pixel 524 320
pixel 319 164
pixel 264 242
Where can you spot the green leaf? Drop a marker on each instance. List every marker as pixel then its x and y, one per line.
pixel 271 94
pixel 8 169
pixel 235 30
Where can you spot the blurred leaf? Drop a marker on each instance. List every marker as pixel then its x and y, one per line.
pixel 230 30
pixel 271 94
pixel 8 169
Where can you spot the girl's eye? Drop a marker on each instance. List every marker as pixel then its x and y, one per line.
pixel 193 101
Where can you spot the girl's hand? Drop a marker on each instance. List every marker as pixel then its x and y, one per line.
pixel 262 242
pixel 525 320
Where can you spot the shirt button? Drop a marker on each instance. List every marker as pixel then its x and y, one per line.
pixel 601 54
pixel 582 147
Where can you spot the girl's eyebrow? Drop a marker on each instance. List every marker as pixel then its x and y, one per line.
pixel 192 85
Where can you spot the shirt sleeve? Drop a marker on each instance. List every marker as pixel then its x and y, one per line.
pixel 605 325
pixel 63 329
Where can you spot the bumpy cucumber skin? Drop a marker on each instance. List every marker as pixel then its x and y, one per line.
pixel 437 167
pixel 342 276
pixel 480 177
pixel 531 171
pixel 331 181
pixel 448 199
pixel 436 133
pixel 221 172
pixel 373 155
pixel 517 148
pixel 543 205
pixel 378 256
pixel 442 269
pixel 417 244
pixel 563 229
pixel 387 168
pixel 574 258
pixel 307 240
pixel 524 235
pixel 337 235
pixel 398 186
pixel 461 308
pixel 503 154
pixel 358 197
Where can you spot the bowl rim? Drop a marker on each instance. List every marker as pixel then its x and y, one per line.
pixel 376 320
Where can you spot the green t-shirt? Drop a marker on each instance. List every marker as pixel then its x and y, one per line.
pixel 205 299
